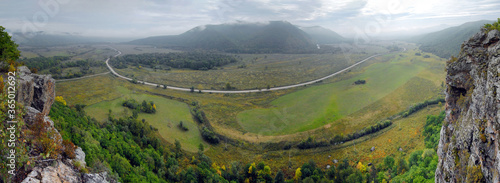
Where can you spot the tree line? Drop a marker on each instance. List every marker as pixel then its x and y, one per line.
pixel 55 65
pixel 337 139
pixel 422 105
pixel 146 107
pixel 196 60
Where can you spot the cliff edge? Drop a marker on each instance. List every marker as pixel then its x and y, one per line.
pixel 469 149
pixel 37 94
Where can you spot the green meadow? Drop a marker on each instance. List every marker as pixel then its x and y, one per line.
pixel 316 106
pixel 167 117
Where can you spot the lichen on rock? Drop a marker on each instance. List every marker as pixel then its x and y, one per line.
pixel 469 149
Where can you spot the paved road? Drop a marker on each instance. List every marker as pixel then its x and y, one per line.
pixel 240 91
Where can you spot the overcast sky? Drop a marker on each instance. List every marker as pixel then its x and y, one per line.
pixel 142 18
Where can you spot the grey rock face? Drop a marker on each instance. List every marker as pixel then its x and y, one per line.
pixel 80 156
pixel 95 178
pixel 61 173
pixel 37 91
pixel 469 149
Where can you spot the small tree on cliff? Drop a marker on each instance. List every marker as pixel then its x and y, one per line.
pixel 8 50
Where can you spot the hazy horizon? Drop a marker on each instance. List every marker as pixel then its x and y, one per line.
pixel 138 19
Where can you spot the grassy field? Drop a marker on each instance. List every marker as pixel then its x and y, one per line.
pixel 319 105
pixel 394 82
pixel 89 90
pixel 169 114
pixel 102 93
pixel 301 107
pixel 256 70
pixel 404 133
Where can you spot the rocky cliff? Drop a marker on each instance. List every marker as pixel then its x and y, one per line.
pixel 37 94
pixel 469 148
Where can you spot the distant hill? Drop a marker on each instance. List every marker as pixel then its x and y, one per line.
pixel 447 42
pixel 272 37
pixel 322 35
pixel 43 39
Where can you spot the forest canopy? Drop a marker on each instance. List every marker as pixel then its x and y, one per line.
pixel 197 60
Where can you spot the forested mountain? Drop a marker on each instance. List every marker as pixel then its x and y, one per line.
pixel 273 37
pixel 322 35
pixel 446 43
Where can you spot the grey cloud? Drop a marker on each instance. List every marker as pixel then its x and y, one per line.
pixel 142 18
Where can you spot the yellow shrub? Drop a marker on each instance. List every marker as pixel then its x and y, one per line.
pixel 61 99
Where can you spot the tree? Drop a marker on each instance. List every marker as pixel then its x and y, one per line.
pixel 402 166
pixel 183 127
pixel 308 180
pixel 280 177
pixel 415 158
pixel 228 86
pixel 356 177
pixel 389 162
pixel 8 50
pixel 298 174
pixel 201 149
pixel 177 148
pixel 381 176
pixel 361 167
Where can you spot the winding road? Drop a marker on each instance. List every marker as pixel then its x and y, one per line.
pixel 239 91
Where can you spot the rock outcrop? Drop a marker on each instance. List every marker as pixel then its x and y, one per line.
pixel 37 91
pixel 469 148
pixel 37 94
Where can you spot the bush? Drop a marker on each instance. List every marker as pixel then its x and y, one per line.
pixel 495 25
pixel 359 82
pixel 78 165
pixel 199 115
pixel 209 136
pixel 69 149
pixel 183 127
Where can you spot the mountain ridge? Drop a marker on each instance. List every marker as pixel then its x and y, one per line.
pixel 271 37
pixel 446 43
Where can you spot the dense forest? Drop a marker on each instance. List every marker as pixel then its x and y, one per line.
pixel 197 60
pixel 130 150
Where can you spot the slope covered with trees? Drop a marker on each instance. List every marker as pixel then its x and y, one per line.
pixel 446 43
pixel 272 37
pixel 322 35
